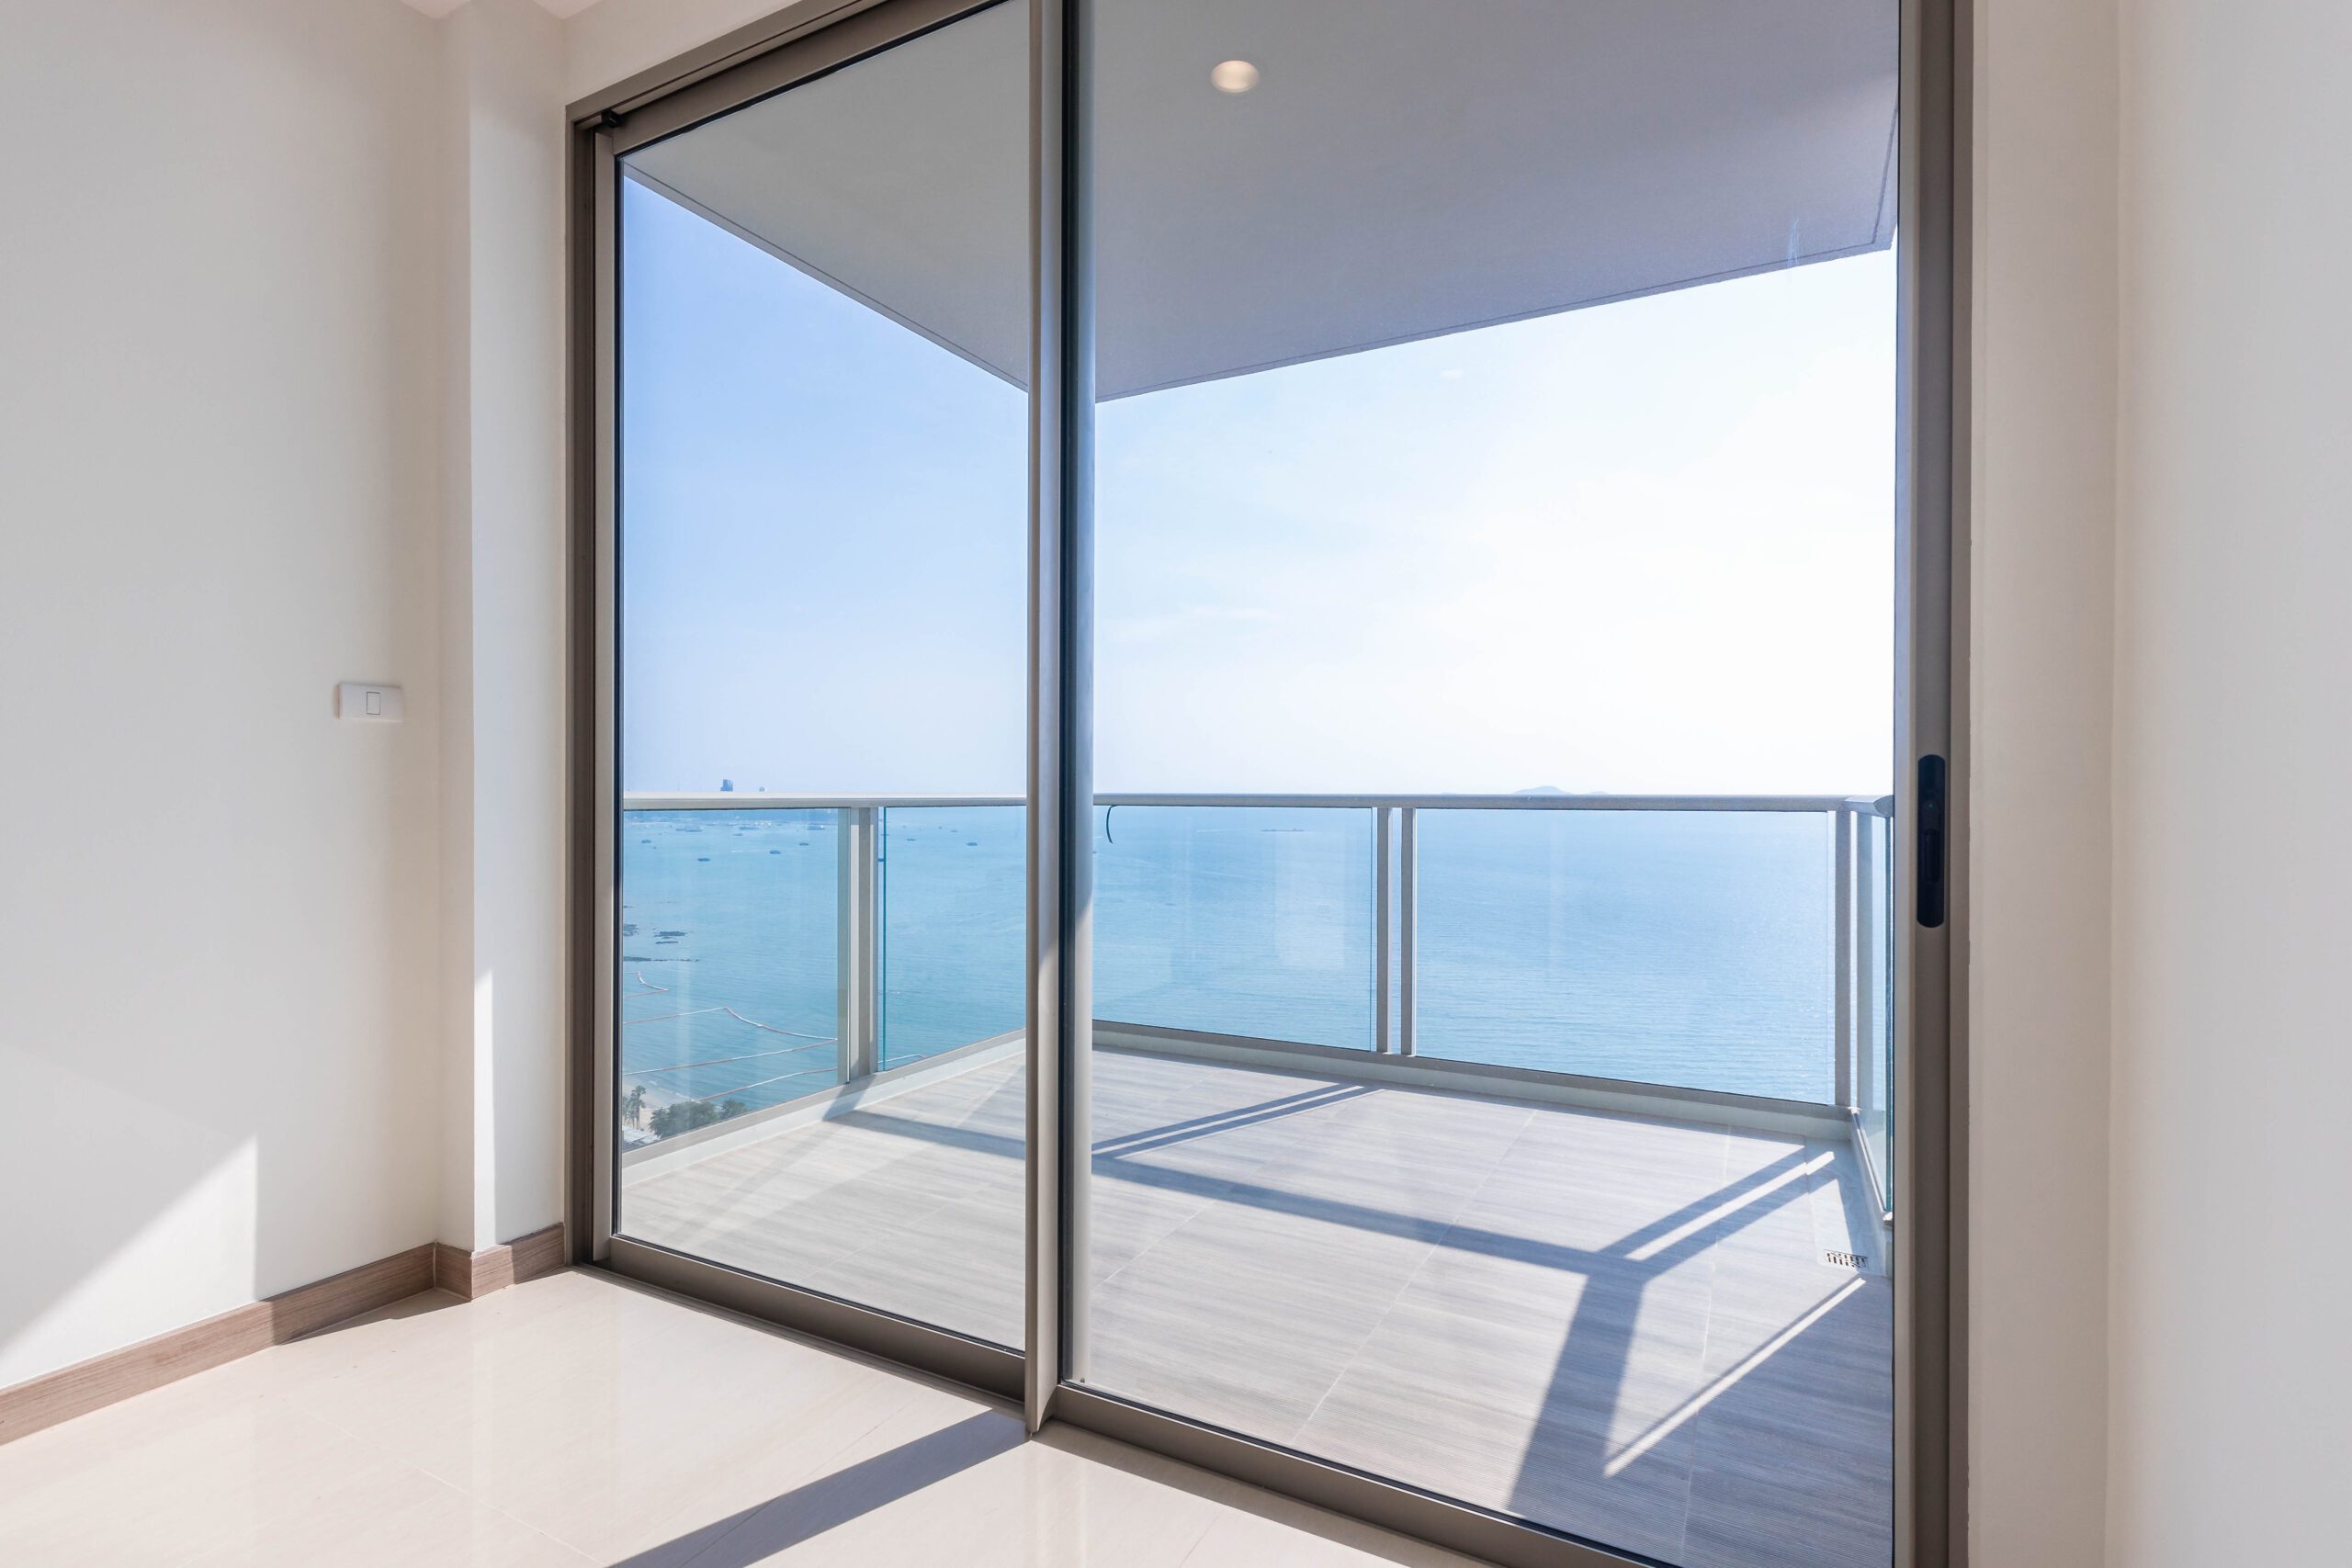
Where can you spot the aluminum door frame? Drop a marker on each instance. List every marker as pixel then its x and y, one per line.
pixel 813 37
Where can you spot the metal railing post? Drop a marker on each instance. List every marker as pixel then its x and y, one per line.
pixel 1407 858
pixel 1381 934
pixel 1844 922
pixel 855 976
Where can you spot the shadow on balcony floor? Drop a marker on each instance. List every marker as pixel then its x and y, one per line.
pixel 1621 1328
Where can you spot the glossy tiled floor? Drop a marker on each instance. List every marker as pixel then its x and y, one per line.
pixel 575 1419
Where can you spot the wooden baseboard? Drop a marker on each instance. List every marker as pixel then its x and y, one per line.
pixel 101 1381
pixel 495 1268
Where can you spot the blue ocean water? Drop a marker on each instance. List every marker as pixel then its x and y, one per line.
pixel 1686 948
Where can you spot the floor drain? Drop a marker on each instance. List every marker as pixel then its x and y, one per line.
pixel 1848 1259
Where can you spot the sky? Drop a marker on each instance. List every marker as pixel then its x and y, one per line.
pixel 1639 548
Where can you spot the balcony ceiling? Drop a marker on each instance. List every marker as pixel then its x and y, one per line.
pixel 1402 170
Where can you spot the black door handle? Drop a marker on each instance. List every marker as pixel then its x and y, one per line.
pixel 1931 841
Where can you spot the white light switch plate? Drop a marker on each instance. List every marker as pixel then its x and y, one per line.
pixel 368 702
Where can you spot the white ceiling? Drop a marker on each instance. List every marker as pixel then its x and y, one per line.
pixel 1402 169
pixel 553 8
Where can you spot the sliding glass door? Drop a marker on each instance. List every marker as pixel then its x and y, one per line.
pixel 822 628
pixel 1265 671
pixel 1494 529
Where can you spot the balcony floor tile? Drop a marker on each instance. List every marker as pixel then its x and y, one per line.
pixel 1624 1327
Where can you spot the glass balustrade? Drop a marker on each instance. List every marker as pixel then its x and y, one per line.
pixel 1691 948
pixel 1243 921
pixel 1874 1005
pixel 1687 948
pixel 728 966
pixel 953 913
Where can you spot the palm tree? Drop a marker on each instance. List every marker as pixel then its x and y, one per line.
pixel 633 1105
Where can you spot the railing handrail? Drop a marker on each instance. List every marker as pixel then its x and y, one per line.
pixel 735 800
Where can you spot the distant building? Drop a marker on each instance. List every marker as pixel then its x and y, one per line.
pixel 727 786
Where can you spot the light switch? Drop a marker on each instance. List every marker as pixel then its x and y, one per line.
pixel 368 702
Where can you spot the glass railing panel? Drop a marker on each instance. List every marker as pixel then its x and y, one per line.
pixel 955 911
pixel 1874 1070
pixel 1687 948
pixel 1231 919
pixel 728 1001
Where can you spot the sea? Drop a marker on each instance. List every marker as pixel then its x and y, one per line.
pixel 1684 948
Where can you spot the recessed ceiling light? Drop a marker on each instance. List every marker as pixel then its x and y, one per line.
pixel 1233 76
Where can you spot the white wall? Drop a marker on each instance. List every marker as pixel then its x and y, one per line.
pixel 2040 634
pixel 282 330
pixel 2159 356
pixel 2232 1370
pixel 614 40
pixel 217 499
pixel 503 595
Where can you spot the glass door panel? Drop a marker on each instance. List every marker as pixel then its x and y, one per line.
pixel 823 544
pixel 1494 469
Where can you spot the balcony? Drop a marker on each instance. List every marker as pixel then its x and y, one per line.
pixel 1376 1174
